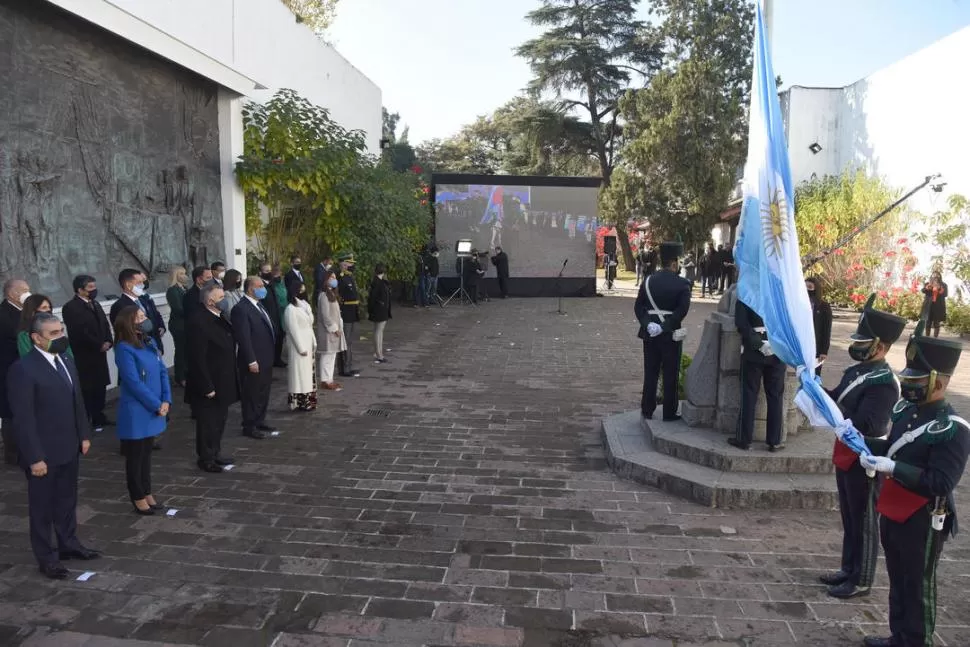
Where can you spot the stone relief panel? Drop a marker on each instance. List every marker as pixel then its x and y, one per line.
pixel 109 155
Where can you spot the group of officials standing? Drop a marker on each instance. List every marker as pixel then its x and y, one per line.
pixel 918 443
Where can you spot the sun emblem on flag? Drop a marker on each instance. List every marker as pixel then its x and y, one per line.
pixel 774 223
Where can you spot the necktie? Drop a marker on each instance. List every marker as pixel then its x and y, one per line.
pixel 62 371
pixel 265 314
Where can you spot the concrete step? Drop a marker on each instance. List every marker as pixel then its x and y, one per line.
pixel 806 453
pixel 631 456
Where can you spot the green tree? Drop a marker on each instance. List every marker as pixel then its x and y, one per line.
pixel 322 193
pixel 831 207
pixel 948 231
pixel 316 14
pixel 686 132
pixel 589 53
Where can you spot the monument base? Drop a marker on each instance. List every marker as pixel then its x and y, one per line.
pixel 699 465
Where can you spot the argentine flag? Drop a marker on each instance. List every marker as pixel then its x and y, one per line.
pixel 770 279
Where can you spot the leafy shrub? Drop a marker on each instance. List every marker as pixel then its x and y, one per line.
pixel 958 317
pixel 685 361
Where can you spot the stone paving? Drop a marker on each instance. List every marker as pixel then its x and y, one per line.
pixel 457 496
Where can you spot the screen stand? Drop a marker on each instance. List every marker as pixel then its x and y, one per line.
pixel 559 286
pixel 461 293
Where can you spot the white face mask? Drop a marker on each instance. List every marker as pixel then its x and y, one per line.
pixel 138 290
pixel 23 297
pixel 220 275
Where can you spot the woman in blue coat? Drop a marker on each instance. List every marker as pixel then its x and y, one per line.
pixel 144 402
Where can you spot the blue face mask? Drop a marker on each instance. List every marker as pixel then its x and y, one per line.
pixel 332 283
pixel 260 293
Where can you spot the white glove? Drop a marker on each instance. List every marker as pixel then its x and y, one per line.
pixel 766 349
pixel 654 329
pixel 878 464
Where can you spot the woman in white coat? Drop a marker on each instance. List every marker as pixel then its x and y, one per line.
pixel 330 332
pixel 298 322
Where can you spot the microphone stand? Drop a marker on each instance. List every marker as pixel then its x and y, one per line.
pixel 559 285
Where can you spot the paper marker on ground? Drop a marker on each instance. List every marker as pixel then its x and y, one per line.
pixel 172 512
pixel 85 576
pixel 274 433
pixel 227 468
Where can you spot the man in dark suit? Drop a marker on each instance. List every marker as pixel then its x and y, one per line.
pixel 320 273
pixel 132 288
pixel 759 365
pixel 52 430
pixel 153 313
pixel 661 305
pixel 501 263
pixel 255 343
pixel 218 269
pixel 294 278
pixel 90 334
pixel 213 382
pixel 192 299
pixel 15 292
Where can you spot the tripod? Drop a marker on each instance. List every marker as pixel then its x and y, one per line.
pixel 559 286
pixel 461 293
pixel 431 294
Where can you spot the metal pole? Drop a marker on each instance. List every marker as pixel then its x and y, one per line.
pixel 769 13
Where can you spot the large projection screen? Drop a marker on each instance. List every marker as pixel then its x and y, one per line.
pixel 539 222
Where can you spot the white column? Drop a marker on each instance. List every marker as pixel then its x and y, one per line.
pixel 233 202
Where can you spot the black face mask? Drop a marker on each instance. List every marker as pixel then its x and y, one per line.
pixel 58 346
pixel 297 266
pixel 860 353
pixel 811 295
pixel 92 294
pixel 915 392
pixel 266 276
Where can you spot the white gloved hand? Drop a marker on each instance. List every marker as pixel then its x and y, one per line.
pixel 878 464
pixel 766 349
pixel 654 329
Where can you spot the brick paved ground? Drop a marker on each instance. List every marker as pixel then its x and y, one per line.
pixel 478 512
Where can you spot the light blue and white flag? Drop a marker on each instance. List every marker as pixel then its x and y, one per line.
pixel 770 278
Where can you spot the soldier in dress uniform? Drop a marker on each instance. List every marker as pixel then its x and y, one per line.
pixel 923 460
pixel 662 304
pixel 349 312
pixel 866 395
pixel 759 365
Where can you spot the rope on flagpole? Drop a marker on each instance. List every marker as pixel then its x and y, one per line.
pixel 810 260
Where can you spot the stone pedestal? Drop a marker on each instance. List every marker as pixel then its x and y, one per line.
pixel 713 381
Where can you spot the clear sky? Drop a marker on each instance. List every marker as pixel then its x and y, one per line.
pixel 441 63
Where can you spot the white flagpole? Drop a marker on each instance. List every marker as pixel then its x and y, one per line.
pixel 769 12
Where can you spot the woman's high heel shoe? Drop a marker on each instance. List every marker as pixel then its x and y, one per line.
pixel 146 512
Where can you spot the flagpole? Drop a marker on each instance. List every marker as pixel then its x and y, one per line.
pixel 769 12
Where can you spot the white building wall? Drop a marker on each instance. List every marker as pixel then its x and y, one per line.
pixel 262 39
pixel 903 123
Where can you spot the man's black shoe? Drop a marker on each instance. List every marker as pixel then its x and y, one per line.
pixel 672 418
pixel 847 590
pixel 734 442
pixel 255 433
pixel 224 460
pixel 646 416
pixel 209 466
pixel 80 553
pixel 54 571
pixel 833 579
pixel 267 429
pixel 776 448
pixel 873 641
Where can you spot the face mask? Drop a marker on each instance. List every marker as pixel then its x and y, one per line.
pixel 220 275
pixel 138 290
pixel 58 346
pixel 297 266
pixel 435 254
pixel 351 268
pixel 23 297
pixel 332 283
pixel 146 327
pixel 93 294
pixel 811 295
pixel 260 293
pixel 223 306
pixel 860 353
pixel 380 276
pixel 266 276
pixel 914 392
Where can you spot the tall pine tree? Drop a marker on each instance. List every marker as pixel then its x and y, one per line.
pixel 589 54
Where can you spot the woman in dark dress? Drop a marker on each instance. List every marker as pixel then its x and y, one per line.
pixel 934 302
pixel 822 318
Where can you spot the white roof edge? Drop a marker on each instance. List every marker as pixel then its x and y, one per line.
pixel 135 30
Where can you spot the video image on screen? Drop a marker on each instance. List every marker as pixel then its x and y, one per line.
pixel 538 227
